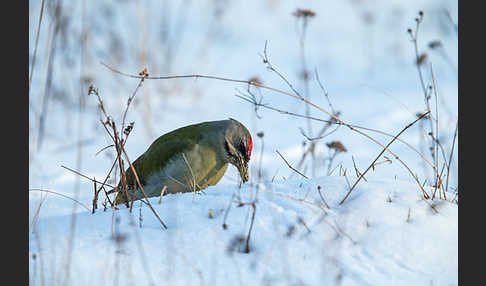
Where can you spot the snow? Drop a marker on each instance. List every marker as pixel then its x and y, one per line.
pixel 370 240
pixel 383 234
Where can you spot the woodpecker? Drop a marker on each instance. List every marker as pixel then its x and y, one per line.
pixel 189 159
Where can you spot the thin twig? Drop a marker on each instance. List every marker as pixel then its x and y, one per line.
pixel 379 155
pixel 52 192
pixel 37 212
pixel 162 193
pixel 141 188
pixel 450 157
pixel 50 66
pixel 104 148
pixel 144 74
pixel 84 176
pixel 41 13
pixel 358 173
pixel 247 247
pixel 322 197
pixel 295 170
pixel 414 38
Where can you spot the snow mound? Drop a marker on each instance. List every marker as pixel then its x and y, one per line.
pixel 383 234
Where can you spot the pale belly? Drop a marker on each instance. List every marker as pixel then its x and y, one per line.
pixel 193 173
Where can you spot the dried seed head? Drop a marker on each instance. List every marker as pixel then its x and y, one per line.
pixel 420 114
pixel 304 13
pixel 255 79
pixel 435 44
pixel 144 73
pixel 337 146
pixel 421 59
pixel 129 128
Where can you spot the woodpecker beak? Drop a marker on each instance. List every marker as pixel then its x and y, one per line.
pixel 243 169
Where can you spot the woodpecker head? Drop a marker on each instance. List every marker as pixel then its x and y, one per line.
pixel 238 145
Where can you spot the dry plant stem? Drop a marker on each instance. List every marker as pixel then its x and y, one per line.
pixel 331 159
pixel 340 231
pixel 332 171
pixel 450 158
pixel 50 66
pixel 84 176
pixel 141 188
pixel 414 38
pixel 130 99
pixel 247 247
pixel 37 212
pixel 295 170
pixel 430 205
pixel 227 211
pixel 435 138
pixel 417 54
pixel 95 198
pixel 438 185
pixel 298 97
pixel 358 173
pixel 324 91
pixel 41 260
pixel 104 148
pixel 271 68
pixel 118 143
pixel 194 184
pixel 162 194
pixel 379 155
pixel 108 120
pixel 322 198
pixel 119 147
pixel 253 202
pixel 381 162
pixel 55 193
pixel 455 198
pixel 304 70
pixel 437 142
pixel 36 44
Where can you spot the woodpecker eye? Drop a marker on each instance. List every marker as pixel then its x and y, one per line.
pixel 241 147
pixel 243 150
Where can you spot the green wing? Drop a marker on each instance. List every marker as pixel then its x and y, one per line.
pixel 172 145
pixel 168 145
pixel 156 158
